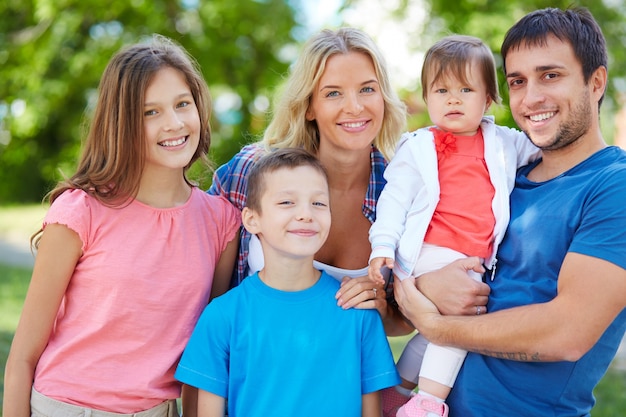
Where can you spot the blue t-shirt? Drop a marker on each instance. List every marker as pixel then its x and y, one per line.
pixel 582 211
pixel 278 353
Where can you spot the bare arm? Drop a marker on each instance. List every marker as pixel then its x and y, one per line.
pixel 224 268
pixel 210 405
pixel 189 399
pixel 564 328
pixel 371 405
pixel 59 250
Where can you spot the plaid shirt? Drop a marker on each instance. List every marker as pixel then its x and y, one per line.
pixel 231 181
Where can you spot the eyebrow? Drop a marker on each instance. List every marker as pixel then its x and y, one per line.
pixel 178 97
pixel 373 80
pixel 540 68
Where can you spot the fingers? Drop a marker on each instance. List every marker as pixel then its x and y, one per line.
pixel 375 266
pixel 481 310
pixel 472 263
pixel 361 292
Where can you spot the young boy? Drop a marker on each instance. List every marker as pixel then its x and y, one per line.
pixel 278 344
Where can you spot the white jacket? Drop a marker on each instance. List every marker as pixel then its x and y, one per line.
pixel 408 201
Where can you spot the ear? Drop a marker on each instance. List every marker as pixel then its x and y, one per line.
pixel 310 115
pixel 249 219
pixel 487 104
pixel 598 82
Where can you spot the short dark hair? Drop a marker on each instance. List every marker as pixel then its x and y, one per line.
pixel 273 161
pixel 575 26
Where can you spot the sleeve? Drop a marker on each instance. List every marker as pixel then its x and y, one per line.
pixel 72 209
pixel 231 179
pixel 404 181
pixel 602 231
pixel 205 361
pixel 231 222
pixel 378 367
pixel 526 151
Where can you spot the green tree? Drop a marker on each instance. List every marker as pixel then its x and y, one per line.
pixel 52 53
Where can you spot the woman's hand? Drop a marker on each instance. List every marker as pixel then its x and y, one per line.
pixel 362 293
pixel 359 293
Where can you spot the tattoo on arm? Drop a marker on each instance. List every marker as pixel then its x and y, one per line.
pixel 513 356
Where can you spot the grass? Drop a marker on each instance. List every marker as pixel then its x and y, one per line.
pixel 18 223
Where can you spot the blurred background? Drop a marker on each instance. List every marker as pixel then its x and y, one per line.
pixel 52 53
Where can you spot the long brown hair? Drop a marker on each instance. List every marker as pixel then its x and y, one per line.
pixel 114 152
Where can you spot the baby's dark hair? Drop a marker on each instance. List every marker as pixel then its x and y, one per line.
pixel 273 161
pixel 452 55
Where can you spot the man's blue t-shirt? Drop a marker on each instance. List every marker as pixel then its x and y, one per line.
pixel 582 211
pixel 278 353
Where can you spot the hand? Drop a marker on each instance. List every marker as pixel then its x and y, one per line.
pixel 453 291
pixel 374 270
pixel 362 293
pixel 415 306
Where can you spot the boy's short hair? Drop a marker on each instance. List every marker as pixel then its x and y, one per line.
pixel 452 55
pixel 273 161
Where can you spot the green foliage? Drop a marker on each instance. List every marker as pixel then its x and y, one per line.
pixel 52 53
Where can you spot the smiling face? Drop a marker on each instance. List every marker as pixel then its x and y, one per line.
pixel 171 121
pixel 294 215
pixel 456 106
pixel 549 99
pixel 347 103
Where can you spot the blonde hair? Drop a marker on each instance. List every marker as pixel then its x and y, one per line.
pixel 452 55
pixel 114 152
pixel 289 126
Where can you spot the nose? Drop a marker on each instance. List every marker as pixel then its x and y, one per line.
pixel 533 94
pixel 304 213
pixel 173 122
pixel 352 104
pixel 453 98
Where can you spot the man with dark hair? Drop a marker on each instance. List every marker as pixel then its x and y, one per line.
pixel 557 304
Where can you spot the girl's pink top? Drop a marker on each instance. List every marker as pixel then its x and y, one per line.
pixel 140 285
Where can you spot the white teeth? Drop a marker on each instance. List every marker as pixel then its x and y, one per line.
pixel 353 125
pixel 173 142
pixel 542 116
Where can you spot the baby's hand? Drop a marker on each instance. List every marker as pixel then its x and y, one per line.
pixel 374 269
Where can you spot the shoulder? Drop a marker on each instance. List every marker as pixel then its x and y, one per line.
pixel 610 166
pixel 72 202
pixel 246 157
pixel 230 180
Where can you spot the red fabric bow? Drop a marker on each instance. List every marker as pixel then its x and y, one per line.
pixel 445 143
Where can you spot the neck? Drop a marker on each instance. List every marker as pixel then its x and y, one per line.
pixel 290 274
pixel 346 171
pixel 163 191
pixel 556 162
